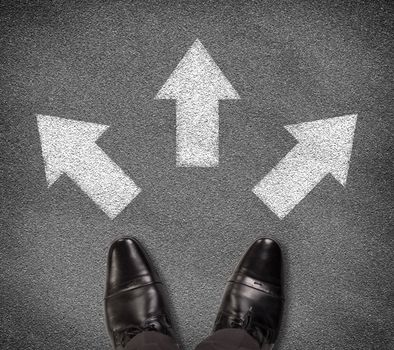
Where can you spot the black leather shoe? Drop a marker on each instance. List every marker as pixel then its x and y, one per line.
pixel 253 296
pixel 134 300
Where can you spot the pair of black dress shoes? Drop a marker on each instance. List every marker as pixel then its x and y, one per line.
pixel 134 300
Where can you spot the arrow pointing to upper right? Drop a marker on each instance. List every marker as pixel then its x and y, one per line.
pixel 324 147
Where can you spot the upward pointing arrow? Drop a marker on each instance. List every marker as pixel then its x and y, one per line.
pixel 324 147
pixel 197 84
pixel 69 146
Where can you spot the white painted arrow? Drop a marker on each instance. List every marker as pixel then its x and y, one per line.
pixel 197 84
pixel 69 146
pixel 324 147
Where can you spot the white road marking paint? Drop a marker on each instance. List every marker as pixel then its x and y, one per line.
pixel 69 146
pixel 324 147
pixel 197 84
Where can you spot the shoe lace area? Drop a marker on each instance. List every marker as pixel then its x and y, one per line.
pixel 124 336
pixel 261 334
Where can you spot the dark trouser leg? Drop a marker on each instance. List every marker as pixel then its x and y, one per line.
pixel 150 340
pixel 229 339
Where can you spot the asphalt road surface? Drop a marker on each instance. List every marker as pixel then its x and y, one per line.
pixel 104 62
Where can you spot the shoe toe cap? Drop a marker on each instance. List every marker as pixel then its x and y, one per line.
pixel 263 262
pixel 127 262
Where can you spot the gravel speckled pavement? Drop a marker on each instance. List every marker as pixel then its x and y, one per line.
pixel 104 62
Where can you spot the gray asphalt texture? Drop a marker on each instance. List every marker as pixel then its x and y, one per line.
pixel 104 62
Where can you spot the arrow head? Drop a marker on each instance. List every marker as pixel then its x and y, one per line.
pixel 65 142
pixel 197 75
pixel 328 142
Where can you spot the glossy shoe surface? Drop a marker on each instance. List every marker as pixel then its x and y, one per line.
pixel 253 298
pixel 134 297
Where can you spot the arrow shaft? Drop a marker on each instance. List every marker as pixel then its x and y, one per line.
pixel 290 181
pixel 102 180
pixel 197 133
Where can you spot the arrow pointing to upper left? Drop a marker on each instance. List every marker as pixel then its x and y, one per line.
pixel 69 146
